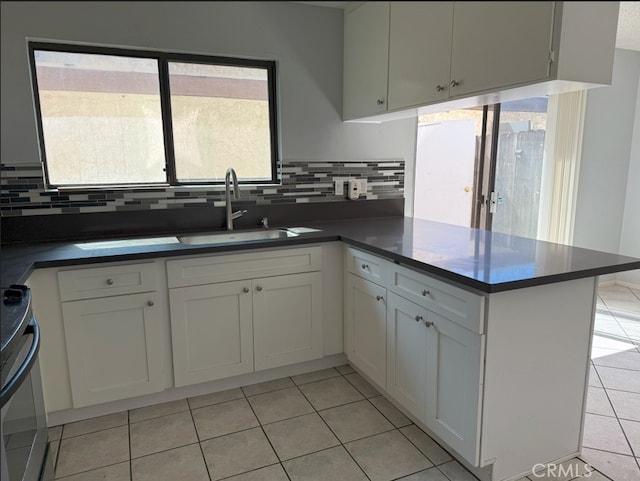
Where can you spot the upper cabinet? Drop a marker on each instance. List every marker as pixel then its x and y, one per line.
pixel 399 56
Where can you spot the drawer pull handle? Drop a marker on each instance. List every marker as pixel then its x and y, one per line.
pixel 455 83
pixel 379 298
pixel 259 288
pixel 419 318
pixel 149 303
pixel 365 266
pixel 439 88
pixel 426 292
pixel 428 323
pixel 110 282
pixel 245 289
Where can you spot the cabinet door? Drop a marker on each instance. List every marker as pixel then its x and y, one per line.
pixel 366 330
pixel 406 354
pixel 454 374
pixel 211 331
pixel 114 347
pixel 366 52
pixel 287 319
pixel 419 52
pixel 497 44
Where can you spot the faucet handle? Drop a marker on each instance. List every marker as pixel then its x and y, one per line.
pixel 265 222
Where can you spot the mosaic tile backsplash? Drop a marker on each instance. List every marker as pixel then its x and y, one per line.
pixel 23 193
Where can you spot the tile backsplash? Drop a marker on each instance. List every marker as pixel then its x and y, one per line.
pixel 22 190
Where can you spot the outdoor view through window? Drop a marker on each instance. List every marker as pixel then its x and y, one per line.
pixel 102 119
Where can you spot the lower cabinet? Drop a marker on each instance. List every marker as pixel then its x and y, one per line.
pixel 114 347
pixel 365 315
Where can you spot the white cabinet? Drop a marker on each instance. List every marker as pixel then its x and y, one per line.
pixel 471 53
pixel 114 344
pixel 227 321
pixel 365 327
pixel 211 335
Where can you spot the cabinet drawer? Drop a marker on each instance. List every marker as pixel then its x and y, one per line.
pixel 93 282
pixel 232 267
pixel 366 265
pixel 460 306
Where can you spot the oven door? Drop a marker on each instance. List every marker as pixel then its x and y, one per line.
pixel 23 418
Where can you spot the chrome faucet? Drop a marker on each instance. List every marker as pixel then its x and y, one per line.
pixel 227 197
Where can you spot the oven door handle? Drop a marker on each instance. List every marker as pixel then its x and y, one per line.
pixel 16 380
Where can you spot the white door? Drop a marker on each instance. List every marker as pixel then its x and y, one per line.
pixel 114 347
pixel 366 330
pixel 498 44
pixel 453 395
pixel 287 319
pixel 406 353
pixel 211 331
pixel 445 162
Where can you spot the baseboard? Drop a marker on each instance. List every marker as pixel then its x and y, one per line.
pixel 606 283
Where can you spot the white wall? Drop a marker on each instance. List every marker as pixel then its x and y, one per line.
pixel 606 153
pixel 630 237
pixel 305 40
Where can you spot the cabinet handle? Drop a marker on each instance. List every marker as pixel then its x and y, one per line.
pixel 428 323
pixel 426 292
pixel 149 303
pixel 245 289
pixel 419 318
pixel 365 266
pixel 110 282
pixel 455 83
pixel 379 298
pixel 380 101
pixel 259 288
pixel 439 88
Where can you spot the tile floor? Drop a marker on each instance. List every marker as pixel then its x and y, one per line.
pixel 331 425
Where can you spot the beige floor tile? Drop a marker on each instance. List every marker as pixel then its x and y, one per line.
pixel 115 472
pixel 158 410
pixel 361 384
pixel 621 359
pixel 594 379
pixel 428 447
pixel 616 466
pixel 456 472
pixel 632 328
pixel 237 453
pixel 275 472
pixel 604 433
pixel 224 418
pixel 267 386
pixel 91 451
pixel 93 425
pixel 392 413
pixel 598 402
pixel 387 456
pixel 55 433
pixel 278 405
pixel 330 392
pixel 632 431
pixel 431 474
pixel 345 369
pixel 333 464
pixel 616 291
pixel 180 464
pixel 315 376
pixel 355 421
pixel 160 434
pixel 606 341
pixel 215 398
pixel 620 379
pixel 625 404
pixel 625 305
pixel 299 436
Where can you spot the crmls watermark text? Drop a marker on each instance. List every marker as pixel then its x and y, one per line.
pixel 566 470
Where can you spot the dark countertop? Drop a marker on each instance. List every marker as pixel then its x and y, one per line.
pixel 472 258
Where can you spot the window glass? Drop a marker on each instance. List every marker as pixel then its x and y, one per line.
pixel 220 118
pixel 101 118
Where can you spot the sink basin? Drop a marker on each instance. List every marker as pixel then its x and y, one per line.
pixel 236 236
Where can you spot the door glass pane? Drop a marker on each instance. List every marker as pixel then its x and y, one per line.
pixel 220 119
pixel 446 165
pixel 101 118
pixel 520 155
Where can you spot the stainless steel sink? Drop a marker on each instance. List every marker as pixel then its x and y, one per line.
pixel 227 237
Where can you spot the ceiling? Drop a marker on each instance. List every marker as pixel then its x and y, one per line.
pixel 628 22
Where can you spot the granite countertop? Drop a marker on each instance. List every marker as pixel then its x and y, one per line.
pixel 471 258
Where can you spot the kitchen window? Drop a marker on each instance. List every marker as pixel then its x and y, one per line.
pixel 112 117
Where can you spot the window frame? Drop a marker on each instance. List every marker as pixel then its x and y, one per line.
pixel 163 59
